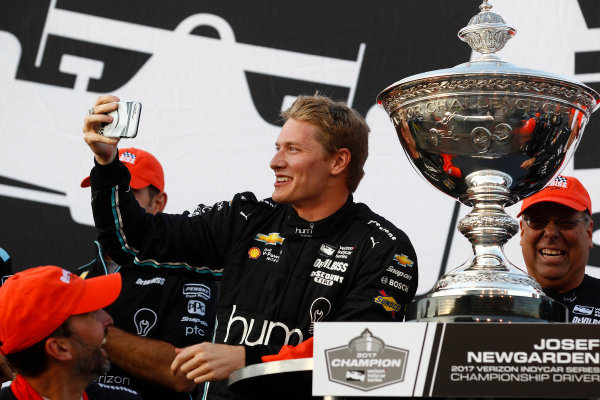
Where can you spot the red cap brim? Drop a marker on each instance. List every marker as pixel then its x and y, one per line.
pixel 98 293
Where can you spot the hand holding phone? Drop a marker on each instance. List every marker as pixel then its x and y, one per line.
pixel 126 119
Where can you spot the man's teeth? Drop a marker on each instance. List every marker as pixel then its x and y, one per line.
pixel 283 179
pixel 549 252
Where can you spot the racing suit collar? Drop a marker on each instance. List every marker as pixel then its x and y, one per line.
pixel 295 226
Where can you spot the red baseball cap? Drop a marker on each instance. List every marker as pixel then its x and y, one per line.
pixel 144 168
pixel 35 302
pixel 565 190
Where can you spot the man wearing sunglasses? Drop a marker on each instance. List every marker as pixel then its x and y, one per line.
pixel 556 238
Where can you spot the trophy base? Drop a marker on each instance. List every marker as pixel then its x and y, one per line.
pixel 486 308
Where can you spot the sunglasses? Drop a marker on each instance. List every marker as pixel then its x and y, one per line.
pixel 540 223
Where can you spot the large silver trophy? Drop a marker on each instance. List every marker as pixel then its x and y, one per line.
pixel 489 133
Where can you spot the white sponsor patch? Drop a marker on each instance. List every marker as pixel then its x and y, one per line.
pixel 66 276
pixel 153 281
pixel 585 310
pixel 327 250
pixel 191 290
pixel 196 307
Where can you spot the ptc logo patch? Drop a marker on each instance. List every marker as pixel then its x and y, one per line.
pixel 366 363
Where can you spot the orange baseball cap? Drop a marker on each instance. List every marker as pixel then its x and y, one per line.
pixel 565 190
pixel 144 168
pixel 35 302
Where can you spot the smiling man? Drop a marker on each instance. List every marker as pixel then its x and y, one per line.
pixel 308 254
pixel 52 328
pixel 556 238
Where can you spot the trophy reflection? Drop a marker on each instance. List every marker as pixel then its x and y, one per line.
pixel 488 133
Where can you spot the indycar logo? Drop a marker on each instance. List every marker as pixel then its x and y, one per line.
pixel 327 250
pixel 585 310
pixel 272 238
pixel 403 260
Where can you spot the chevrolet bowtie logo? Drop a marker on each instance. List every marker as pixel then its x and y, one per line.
pixel 403 260
pixel 271 238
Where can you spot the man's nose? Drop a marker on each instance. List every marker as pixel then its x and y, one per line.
pixel 551 229
pixel 277 161
pixel 105 318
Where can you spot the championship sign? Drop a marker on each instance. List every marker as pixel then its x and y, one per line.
pixel 419 359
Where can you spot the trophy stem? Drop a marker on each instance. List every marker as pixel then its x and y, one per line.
pixel 487 287
pixel 488 228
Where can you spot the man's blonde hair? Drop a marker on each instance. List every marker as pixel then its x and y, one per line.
pixel 339 126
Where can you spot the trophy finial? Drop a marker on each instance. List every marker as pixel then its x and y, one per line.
pixel 485 6
pixel 486 33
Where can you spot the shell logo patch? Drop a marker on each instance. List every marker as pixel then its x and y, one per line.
pixel 403 260
pixel 254 253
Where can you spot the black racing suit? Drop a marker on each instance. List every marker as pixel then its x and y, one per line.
pixel 280 274
pixel 177 307
pixel 583 301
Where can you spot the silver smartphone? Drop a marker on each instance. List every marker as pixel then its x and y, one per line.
pixel 125 122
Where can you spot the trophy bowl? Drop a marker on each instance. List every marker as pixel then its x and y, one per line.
pixel 488 133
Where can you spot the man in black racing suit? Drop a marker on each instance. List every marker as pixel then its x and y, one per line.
pixel 556 238
pixel 156 311
pixel 308 254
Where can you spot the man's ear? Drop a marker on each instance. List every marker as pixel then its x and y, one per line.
pixel 340 160
pixel 521 231
pixel 59 348
pixel 159 202
pixel 590 232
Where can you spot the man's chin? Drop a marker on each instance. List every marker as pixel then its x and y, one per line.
pixel 104 367
pixel 278 198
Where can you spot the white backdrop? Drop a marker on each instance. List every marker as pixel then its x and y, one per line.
pixel 199 119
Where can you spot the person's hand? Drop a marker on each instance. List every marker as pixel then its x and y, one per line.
pixel 527 163
pixel 209 361
pixel 104 148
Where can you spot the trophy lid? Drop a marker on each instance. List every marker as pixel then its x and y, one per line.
pixel 487 33
pixel 366 342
